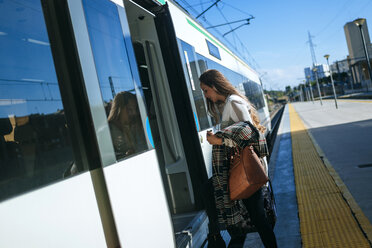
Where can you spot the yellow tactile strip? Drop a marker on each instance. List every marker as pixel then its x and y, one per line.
pixel 326 218
pixel 350 100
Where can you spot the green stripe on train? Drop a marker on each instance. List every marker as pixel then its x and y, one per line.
pixel 161 1
pixel 208 36
pixel 215 42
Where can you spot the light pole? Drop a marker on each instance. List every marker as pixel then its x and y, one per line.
pixel 351 73
pixel 317 84
pixel 301 95
pixel 333 85
pixel 311 88
pixel 306 91
pixel 359 22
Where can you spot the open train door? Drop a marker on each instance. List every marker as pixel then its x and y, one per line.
pixel 131 171
pixel 165 89
pixel 128 183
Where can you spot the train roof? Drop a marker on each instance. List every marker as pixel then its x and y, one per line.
pixel 188 29
pixel 191 31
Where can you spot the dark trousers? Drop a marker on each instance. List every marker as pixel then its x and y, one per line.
pixel 255 207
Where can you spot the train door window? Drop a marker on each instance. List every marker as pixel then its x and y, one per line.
pixel 119 93
pixel 202 63
pixel 192 75
pixel 35 141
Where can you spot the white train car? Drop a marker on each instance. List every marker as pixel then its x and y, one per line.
pixel 102 123
pixel 200 51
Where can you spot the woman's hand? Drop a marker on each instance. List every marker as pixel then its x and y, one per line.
pixel 213 139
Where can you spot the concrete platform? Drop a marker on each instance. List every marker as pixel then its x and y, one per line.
pixel 344 138
pixel 287 228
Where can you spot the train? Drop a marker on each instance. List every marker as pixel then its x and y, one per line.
pixel 103 123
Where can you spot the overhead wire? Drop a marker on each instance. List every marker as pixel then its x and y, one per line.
pixel 233 7
pixel 339 29
pixel 334 18
pixel 208 23
pixel 249 59
pixel 244 53
pixel 363 8
pixel 227 21
pixel 201 3
pixel 253 63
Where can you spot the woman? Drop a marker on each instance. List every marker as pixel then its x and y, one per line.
pixel 227 105
pixel 125 125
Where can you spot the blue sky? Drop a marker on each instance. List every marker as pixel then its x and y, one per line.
pixel 276 40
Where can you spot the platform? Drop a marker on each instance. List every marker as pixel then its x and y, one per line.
pixel 321 168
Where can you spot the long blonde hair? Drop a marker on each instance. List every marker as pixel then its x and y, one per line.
pixel 119 104
pixel 216 80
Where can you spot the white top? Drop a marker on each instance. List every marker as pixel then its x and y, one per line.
pixel 235 109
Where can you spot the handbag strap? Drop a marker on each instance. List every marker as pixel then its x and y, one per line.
pixel 271 191
pixel 254 129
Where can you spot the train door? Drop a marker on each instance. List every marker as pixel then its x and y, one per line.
pixel 179 153
pixel 193 67
pixel 127 126
pixel 44 133
pixel 59 120
pixel 159 102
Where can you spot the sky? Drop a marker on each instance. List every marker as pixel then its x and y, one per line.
pixel 275 43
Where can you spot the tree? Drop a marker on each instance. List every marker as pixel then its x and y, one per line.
pixel 288 89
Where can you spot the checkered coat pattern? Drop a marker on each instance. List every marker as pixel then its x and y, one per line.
pixel 231 213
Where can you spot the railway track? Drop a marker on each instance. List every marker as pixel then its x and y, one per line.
pixel 275 121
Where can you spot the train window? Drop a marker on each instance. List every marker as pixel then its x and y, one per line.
pixel 254 92
pixel 115 78
pixel 251 89
pixel 35 142
pixel 202 63
pixel 190 64
pixel 213 50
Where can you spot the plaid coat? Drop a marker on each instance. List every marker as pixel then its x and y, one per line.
pixel 232 213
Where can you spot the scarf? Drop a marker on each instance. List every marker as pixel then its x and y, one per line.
pixel 231 213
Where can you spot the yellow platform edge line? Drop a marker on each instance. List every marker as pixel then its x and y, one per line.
pixel 347 100
pixel 357 211
pixel 362 220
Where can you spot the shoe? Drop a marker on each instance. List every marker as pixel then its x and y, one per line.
pixel 215 241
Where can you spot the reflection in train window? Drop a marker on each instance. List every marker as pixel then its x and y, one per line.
pixel 115 79
pixel 254 91
pixel 202 63
pixel 35 145
pixel 247 87
pixel 190 63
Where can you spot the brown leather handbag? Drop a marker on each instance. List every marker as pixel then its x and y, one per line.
pixel 247 174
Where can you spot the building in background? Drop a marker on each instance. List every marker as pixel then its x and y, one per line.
pixel 322 71
pixel 358 63
pixel 340 66
pixel 342 69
